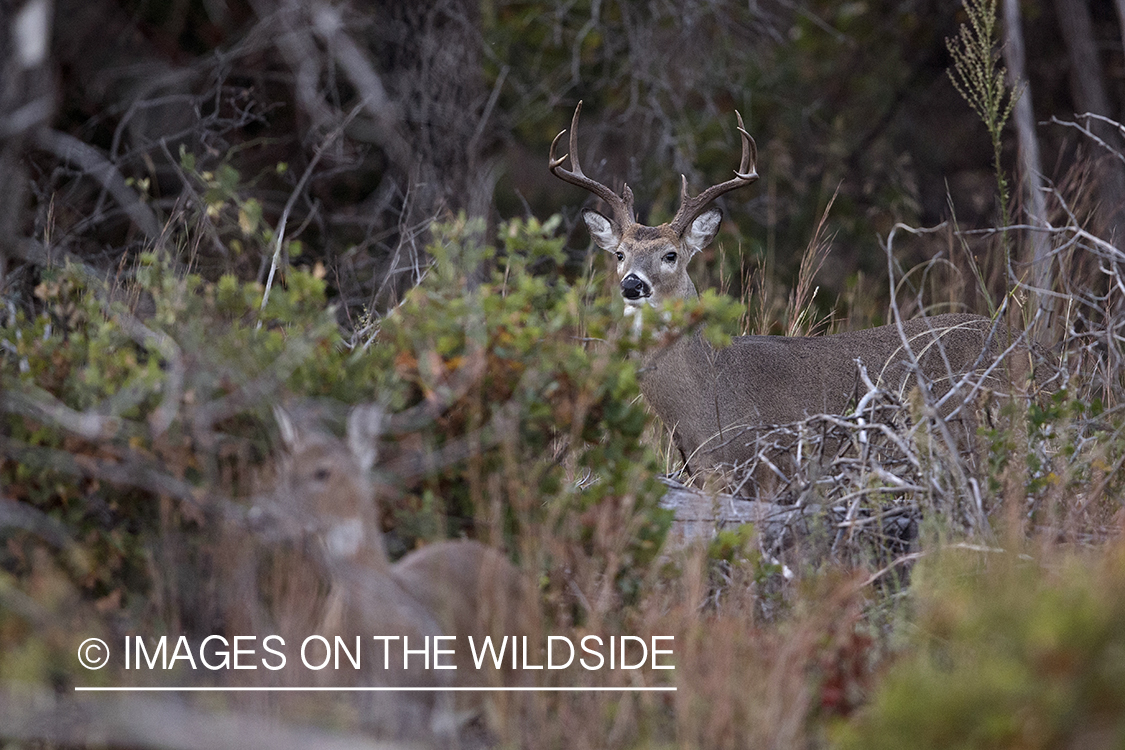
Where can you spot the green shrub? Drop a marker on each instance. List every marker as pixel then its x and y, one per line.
pixel 177 404
pixel 138 416
pixel 526 366
pixel 1008 652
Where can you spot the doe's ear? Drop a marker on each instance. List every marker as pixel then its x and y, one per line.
pixel 289 434
pixel 365 425
pixel 702 230
pixel 606 235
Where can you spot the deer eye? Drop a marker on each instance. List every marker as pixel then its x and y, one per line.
pixel 620 256
pixel 322 473
pixel 670 257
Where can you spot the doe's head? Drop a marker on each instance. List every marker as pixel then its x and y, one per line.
pixel 324 483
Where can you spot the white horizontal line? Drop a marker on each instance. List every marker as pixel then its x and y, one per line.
pixel 186 689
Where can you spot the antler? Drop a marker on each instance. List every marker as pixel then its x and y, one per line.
pixel 746 173
pixel 622 206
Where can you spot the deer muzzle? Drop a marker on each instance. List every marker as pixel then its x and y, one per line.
pixel 633 287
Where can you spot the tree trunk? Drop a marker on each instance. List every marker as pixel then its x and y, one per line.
pixel 1037 253
pixel 27 102
pixel 1089 94
pixel 1121 19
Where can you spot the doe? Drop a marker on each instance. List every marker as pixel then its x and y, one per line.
pixel 461 588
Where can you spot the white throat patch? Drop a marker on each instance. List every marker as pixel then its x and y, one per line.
pixel 345 538
pixel 635 309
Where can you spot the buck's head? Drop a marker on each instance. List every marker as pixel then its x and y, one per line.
pixel 652 261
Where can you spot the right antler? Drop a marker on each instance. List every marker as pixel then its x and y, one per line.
pixel 622 207
pixel 745 174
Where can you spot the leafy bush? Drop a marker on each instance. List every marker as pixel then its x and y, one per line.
pixel 522 371
pixel 1008 652
pixel 138 415
pixel 122 431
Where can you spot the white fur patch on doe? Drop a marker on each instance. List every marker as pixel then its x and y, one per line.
pixel 345 538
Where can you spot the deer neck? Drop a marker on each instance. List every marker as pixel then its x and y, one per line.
pixel 373 555
pixel 357 543
pixel 681 385
pixel 686 289
pixel 679 381
pixel 688 346
pixel 682 382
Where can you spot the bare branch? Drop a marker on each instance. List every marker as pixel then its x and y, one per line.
pixel 94 163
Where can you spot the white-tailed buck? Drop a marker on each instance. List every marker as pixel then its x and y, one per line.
pixel 711 399
pixel 326 494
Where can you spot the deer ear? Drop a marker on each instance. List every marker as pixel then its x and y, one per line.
pixel 702 230
pixel 365 425
pixel 604 232
pixel 289 434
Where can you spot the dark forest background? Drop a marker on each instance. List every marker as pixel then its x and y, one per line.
pixel 361 123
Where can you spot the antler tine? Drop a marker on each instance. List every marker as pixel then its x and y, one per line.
pixel 574 141
pixel 745 174
pixel 622 207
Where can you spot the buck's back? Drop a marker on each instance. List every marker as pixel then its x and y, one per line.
pixel 705 394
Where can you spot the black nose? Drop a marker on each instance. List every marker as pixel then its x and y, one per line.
pixel 633 287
